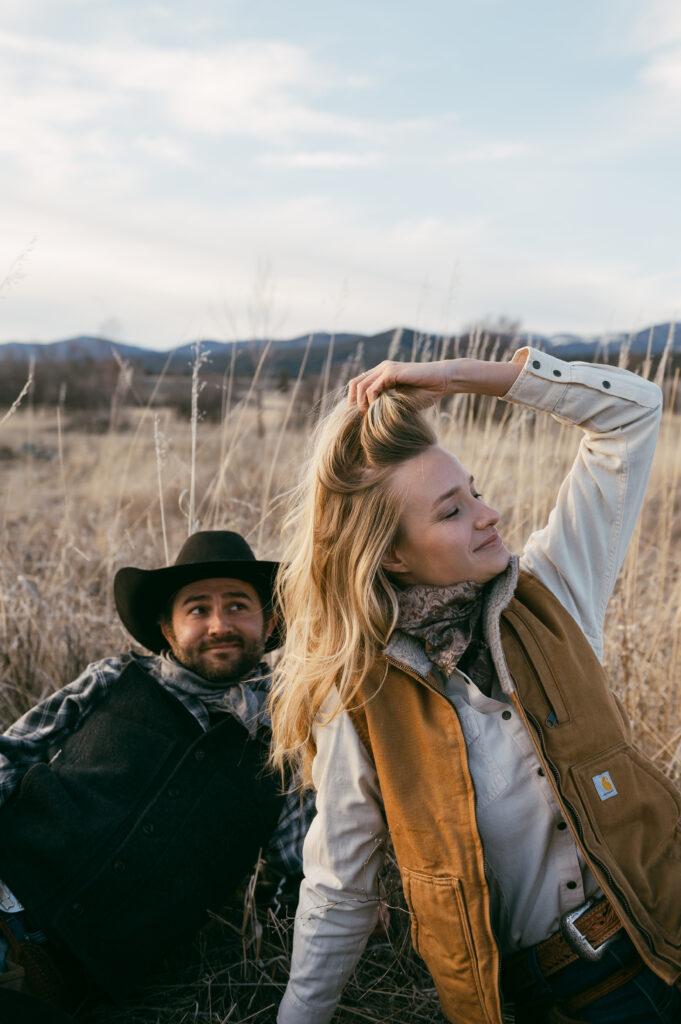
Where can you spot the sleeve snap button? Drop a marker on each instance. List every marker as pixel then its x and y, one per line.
pixel 536 364
pixel 557 373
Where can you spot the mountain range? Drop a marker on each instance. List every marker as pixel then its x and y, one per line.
pixel 321 348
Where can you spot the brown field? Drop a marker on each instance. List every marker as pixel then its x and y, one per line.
pixel 75 505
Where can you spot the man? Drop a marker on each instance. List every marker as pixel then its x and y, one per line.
pixel 137 796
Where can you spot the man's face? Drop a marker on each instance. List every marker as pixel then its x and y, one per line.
pixel 217 629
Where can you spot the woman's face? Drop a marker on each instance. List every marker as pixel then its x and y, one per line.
pixel 447 532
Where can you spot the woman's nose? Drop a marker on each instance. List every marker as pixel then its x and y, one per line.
pixel 487 516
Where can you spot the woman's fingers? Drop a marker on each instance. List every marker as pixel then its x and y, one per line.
pixel 427 377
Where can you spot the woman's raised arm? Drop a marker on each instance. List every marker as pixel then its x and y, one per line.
pixel 435 380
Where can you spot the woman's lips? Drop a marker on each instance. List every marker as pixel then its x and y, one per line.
pixel 493 542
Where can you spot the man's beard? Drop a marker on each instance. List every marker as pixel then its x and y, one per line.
pixel 226 668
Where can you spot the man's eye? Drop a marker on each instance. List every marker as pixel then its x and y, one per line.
pixel 197 610
pixel 477 494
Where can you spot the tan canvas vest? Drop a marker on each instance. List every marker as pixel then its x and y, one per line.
pixel 631 840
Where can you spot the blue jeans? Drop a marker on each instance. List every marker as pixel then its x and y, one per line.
pixel 645 999
pixel 17 925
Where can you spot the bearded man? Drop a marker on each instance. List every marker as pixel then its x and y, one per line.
pixel 137 797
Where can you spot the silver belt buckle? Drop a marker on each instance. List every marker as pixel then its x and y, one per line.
pixel 577 942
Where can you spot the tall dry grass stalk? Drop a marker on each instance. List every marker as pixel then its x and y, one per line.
pixel 75 507
pixel 22 394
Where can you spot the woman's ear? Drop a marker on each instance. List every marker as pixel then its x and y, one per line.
pixel 392 560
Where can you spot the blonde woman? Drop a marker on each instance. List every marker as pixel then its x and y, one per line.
pixel 437 687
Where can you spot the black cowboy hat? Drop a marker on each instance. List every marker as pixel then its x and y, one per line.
pixel 142 595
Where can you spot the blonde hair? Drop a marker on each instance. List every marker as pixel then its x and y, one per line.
pixel 338 603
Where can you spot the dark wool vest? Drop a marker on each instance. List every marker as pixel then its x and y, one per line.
pixel 138 825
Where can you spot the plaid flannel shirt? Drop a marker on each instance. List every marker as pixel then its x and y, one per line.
pixel 40 732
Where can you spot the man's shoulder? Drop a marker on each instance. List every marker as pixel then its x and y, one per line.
pixel 115 665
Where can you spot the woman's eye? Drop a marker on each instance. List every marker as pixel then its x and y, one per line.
pixel 450 515
pixel 476 494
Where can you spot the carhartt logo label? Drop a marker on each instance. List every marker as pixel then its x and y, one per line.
pixel 605 787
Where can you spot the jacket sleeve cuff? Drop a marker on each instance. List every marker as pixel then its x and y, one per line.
pixel 545 381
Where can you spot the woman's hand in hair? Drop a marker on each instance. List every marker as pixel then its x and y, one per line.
pixel 430 382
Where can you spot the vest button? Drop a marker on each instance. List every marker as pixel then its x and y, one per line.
pixel 174 792
pixel 506 715
pixel 540 771
pixel 572 885
pixel 562 826
pixel 119 867
pixel 199 755
pixel 147 828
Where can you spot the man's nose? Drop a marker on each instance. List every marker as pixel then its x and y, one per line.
pixel 220 621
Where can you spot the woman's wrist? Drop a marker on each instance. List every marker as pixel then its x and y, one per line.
pixel 482 377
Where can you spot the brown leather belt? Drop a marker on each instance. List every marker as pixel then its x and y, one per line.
pixel 585 934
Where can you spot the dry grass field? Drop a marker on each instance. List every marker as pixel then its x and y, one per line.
pixel 75 506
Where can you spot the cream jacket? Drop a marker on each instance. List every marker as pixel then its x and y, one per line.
pixel 577 555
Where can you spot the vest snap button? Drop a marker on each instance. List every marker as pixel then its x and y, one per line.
pixel 562 826
pixel 536 364
pixel 607 384
pixel 174 792
pixel 506 715
pixel 540 771
pixel 119 866
pixel 77 909
pixel 199 755
pixel 147 828
pixel 572 885
pixel 557 373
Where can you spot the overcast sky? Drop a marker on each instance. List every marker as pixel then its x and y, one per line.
pixel 235 167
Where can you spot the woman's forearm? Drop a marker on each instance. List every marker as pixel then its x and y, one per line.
pixel 483 377
pixel 429 382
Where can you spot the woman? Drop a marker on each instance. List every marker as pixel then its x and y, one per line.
pixel 436 686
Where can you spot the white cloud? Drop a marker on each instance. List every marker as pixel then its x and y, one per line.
pixel 652 33
pixel 663 73
pixel 164 149
pixel 490 152
pixel 169 273
pixel 320 158
pixel 252 88
pixel 655 25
